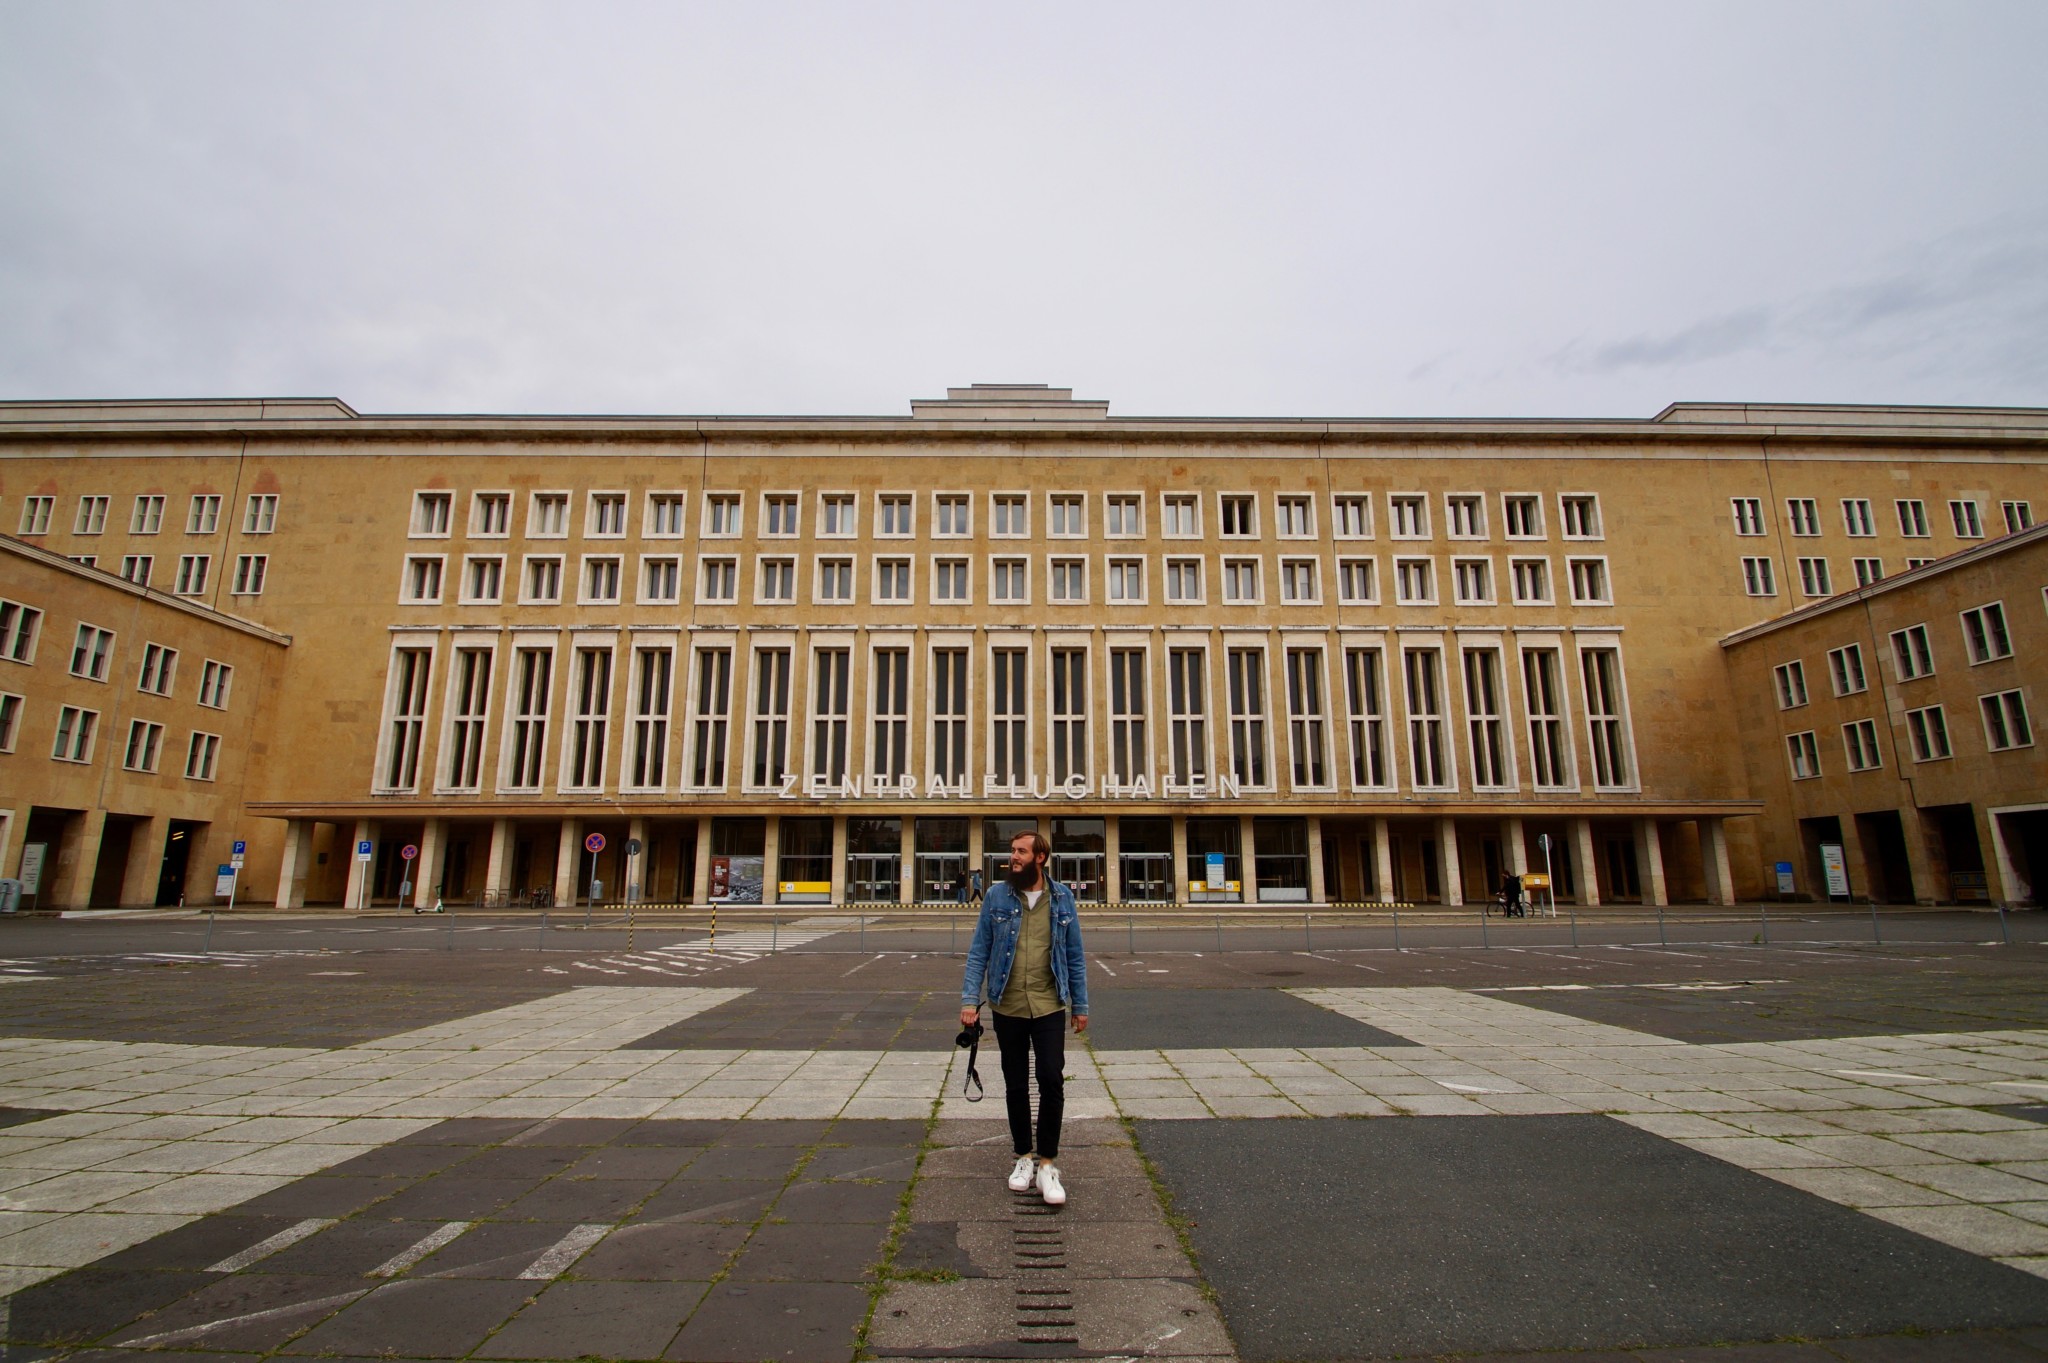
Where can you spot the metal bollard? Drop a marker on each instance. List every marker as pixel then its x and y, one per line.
pixel 1397 929
pixel 1306 943
pixel 1485 939
pixel 448 932
pixel 1662 941
pixel 1575 923
pixel 2003 930
pixel 863 932
pixel 543 931
pixel 774 932
pixel 1875 935
pixel 1763 914
pixel 209 932
pixel 1130 936
pixel 1219 934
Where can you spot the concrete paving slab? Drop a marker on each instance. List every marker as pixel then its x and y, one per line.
pixel 597 1319
pixel 787 1322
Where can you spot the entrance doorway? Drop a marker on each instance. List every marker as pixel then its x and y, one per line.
pixel 177 859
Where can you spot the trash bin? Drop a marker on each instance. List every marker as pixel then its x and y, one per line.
pixel 10 895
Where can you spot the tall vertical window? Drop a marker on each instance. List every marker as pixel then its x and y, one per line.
pixel 1985 635
pixel 1351 516
pixel 532 673
pixel 1069 713
pixel 949 715
pixel 1859 743
pixel 203 516
pixel 490 515
pixel 720 582
pixel 1465 516
pixel 889 753
pixel 1365 699
pixel 714 715
pixel 832 676
pixel 1856 518
pixel 159 669
pixel 89 653
pixel 472 709
pixel 410 671
pixel 75 731
pixel 148 516
pixel 1066 514
pixel 483 579
pixel 892 581
pixel 1845 667
pixel 1749 515
pixel 592 720
pixel 1483 718
pixel 35 514
pixel 1187 714
pixel 1523 514
pixel 1814 579
pixel 18 631
pixel 1759 577
pixel 1126 580
pixel 1245 673
pixel 1550 754
pixel 1414 582
pixel 665 515
pixel 259 514
pixel 653 671
pixel 2005 721
pixel 1803 751
pixel 92 516
pixel 1968 519
pixel 775 579
pixel 1912 652
pixel 144 742
pixel 10 721
pixel 1928 731
pixel 1791 680
pixel 1912 517
pixel 192 574
pixel 771 716
pixel 201 756
pixel 607 515
pixel 1605 721
pixel 1010 581
pixel 1580 512
pixel 896 514
pixel 1238 516
pixel 1803 515
pixel 2018 516
pixel 1307 748
pixel 1427 762
pixel 1010 711
pixel 215 681
pixel 1129 758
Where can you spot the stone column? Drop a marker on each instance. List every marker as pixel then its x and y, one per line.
pixel 1180 858
pixel 433 855
pixel 498 870
pixel 359 871
pixel 568 863
pixel 977 850
pixel 1714 861
pixel 906 892
pixel 12 824
pixel 1383 859
pixel 1516 845
pixel 1452 865
pixel 1650 861
pixel 1922 857
pixel 145 863
pixel 771 860
pixel 1247 861
pixel 1584 863
pixel 1317 891
pixel 1112 860
pixel 838 858
pixel 700 874
pixel 636 867
pixel 78 857
pixel 292 863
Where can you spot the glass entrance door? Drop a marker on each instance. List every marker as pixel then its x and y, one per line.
pixel 874 877
pixel 941 877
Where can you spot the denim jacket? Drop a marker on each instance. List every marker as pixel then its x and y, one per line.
pixel 994 948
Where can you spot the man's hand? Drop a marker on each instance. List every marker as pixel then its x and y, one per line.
pixel 1080 1023
pixel 968 1016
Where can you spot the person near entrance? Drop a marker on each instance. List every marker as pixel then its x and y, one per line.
pixel 1026 957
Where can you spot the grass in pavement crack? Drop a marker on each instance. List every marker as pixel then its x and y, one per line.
pixel 885 1269
pixel 1179 1224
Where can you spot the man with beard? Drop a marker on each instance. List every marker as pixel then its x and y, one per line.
pixel 1026 955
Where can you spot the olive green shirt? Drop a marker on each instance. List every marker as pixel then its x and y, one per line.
pixel 1031 991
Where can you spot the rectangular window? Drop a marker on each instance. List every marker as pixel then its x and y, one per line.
pixel 1804 753
pixel 1410 513
pixel 490 515
pixel 1791 680
pixel 1845 668
pixel 1483 719
pixel 1927 730
pixel 952 515
pixel 1414 582
pixel 148 516
pixel 1295 516
pixel 1010 716
pixel 892 581
pixel 1298 582
pixel 1465 514
pixel 1187 714
pixel 431 512
pixel 543 581
pixel 1523 515
pixel 1069 714
pixel 159 670
pixel 1912 517
pixel 1968 519
pixel 2018 516
pixel 483 580
pixel 1351 516
pixel 76 729
pixel 1607 727
pixel 1531 580
pixel 1180 516
pixel 721 514
pixel 92 516
pixel 1184 581
pixel 36 513
pixel 1856 518
pixel 533 671
pixel 665 515
pixel 1010 581
pixel 250 570
pixel 653 677
pixel 896 514
pixel 411 669
pixel 85 560
pixel 950 581
pixel 192 574
pixel 423 580
pixel 1307 750
pixel 838 514
pixel 472 706
pixel 2005 721
pixel 1550 754
pixel 1759 577
pixel 1238 515
pixel 949 715
pixel 779 514
pixel 18 631
pixel 835 580
pixel 1912 652
pixel 889 753
pixel 1813 577
pixel 201 756
pixel 607 515
pixel 1123 515
pixel 1589 582
pixel 1067 514
pixel 90 652
pixel 719 581
pixel 1129 757
pixel 1803 514
pixel 215 681
pixel 144 741
pixel 1127 581
pixel 1357 583
pixel 1472 581
pixel 713 716
pixel 1913 563
pixel 259 514
pixel 136 568
pixel 831 712
pixel 1859 743
pixel 1365 700
pixel 1069 580
pixel 1580 513
pixel 1985 634
pixel 1749 515
pixel 661 580
pixel 203 515
pixel 10 721
pixel 1245 674
pixel 775 580
pixel 1009 515
pixel 590 724
pixel 1868 571
pixel 1423 672
pixel 771 717
pixel 1241 581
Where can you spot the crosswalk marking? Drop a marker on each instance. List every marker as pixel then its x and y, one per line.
pixel 565 1251
pixel 406 1258
pixel 263 1249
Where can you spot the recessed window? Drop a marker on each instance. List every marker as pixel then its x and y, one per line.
pixel 1912 517
pixel 10 720
pixel 90 652
pixel 2018 516
pixel 159 670
pixel 147 517
pixel 1472 581
pixel 483 580
pixel 1010 581
pixel 490 515
pixel 76 729
pixel 892 581
pixel 950 581
pixel 1580 514
pixel 1126 581
pixel 895 514
pixel 1465 515
pixel 1913 563
pixel 601 574
pixel 1414 582
pixel 838 514
pixel 1184 581
pixel 1180 516
pixel 1409 512
pixel 721 514
pixel 547 517
pixel 1351 516
pixel 1912 652
pixel 1791 680
pixel 1869 571
pixel 1845 667
pixel 1069 580
pixel 1238 516
pixel 1298 585
pixel 136 568
pixel 36 513
pixel 1856 518
pixel 1523 514
pixel 1241 581
pixel 779 514
pixel 541 584
pixel 1009 515
pixel 952 515
pixel 203 516
pixel 92 516
pixel 718 581
pixel 1803 515
pixel 422 585
pixel 2005 721
pixel 661 579
pixel 1968 519
pixel 1927 731
pixel 1985 635
pixel 1123 515
pixel 193 571
pixel 1531 581
pixel 835 581
pixel 431 514
pixel 259 516
pixel 1813 577
pixel 775 580
pixel 1295 515
pixel 145 742
pixel 1749 515
pixel 1357 582
pixel 1759 577
pixel 1066 515
pixel 607 515
pixel 1804 752
pixel 215 681
pixel 665 511
pixel 1859 745
pixel 1590 586
pixel 250 570
pixel 201 756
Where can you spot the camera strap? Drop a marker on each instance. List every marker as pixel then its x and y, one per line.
pixel 976 1092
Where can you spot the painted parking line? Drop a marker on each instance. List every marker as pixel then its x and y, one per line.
pixel 406 1258
pixel 565 1252
pixel 263 1249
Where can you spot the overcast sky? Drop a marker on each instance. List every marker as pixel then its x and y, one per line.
pixel 1188 209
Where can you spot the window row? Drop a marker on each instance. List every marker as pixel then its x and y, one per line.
pixel 1174 719
pixel 2003 714
pixel 146 515
pixel 77 737
pixel 1803 517
pixel 1985 640
pixel 92 653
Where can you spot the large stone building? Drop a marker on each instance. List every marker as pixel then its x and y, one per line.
pixel 1276 661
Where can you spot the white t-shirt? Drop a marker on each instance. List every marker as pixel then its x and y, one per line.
pixel 1031 898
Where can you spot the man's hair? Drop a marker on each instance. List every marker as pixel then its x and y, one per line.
pixel 1039 846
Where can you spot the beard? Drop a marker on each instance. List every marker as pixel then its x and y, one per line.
pixel 1026 879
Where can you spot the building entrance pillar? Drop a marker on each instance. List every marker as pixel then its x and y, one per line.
pixel 1113 859
pixel 838 858
pixel 78 861
pixel 700 874
pixel 1714 861
pixel 1180 858
pixel 1650 862
pixel 771 860
pixel 1583 864
pixel 1515 846
pixel 293 863
pixel 360 868
pixel 1317 890
pixel 568 862
pixel 498 870
pixel 1451 864
pixel 1920 856
pixel 1247 861
pixel 426 890
pixel 1383 860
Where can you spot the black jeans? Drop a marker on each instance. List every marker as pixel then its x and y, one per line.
pixel 1021 1040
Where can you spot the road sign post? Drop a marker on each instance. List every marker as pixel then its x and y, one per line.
pixel 593 845
pixel 364 851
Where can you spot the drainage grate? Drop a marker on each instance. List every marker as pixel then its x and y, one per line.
pixel 1038 1248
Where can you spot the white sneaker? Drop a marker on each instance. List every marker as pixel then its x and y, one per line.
pixel 1049 1186
pixel 1023 1174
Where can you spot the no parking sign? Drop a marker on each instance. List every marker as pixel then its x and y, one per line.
pixel 594 843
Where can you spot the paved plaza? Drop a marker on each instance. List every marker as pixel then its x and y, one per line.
pixel 670 1152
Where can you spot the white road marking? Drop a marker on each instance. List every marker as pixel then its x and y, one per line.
pixel 406 1258
pixel 195 1331
pixel 565 1252
pixel 263 1249
pixel 1887 1074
